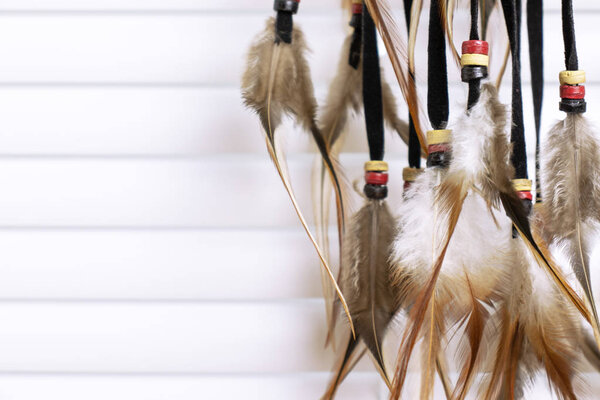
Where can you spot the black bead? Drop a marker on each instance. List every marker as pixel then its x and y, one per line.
pixel 286 5
pixel 375 192
pixel 471 72
pixel 439 159
pixel 572 105
pixel 284 25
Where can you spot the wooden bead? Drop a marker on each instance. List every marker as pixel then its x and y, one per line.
pixel 474 59
pixel 572 92
pixel 438 136
pixel 411 174
pixel 475 47
pixel 376 166
pixel 376 178
pixel 521 185
pixel 571 77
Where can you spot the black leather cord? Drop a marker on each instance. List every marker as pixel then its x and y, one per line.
pixel 414 147
pixel 437 76
pixel 512 15
pixel 571 61
pixel 535 30
pixel 372 88
pixel 474 84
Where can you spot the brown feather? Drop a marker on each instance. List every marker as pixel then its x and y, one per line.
pixel 474 330
pixel 571 176
pixel 277 82
pixel 447 8
pixel 381 12
pixel 538 329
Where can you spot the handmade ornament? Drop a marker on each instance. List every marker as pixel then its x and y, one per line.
pixel 345 97
pixel 366 275
pixel 570 171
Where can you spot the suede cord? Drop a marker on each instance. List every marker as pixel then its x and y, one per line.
pixel 414 148
pixel 437 75
pixel 372 88
pixel 535 31
pixel 512 16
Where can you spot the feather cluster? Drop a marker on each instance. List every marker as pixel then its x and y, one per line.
pixel 459 256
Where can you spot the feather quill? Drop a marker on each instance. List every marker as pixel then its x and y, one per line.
pixel 277 82
pixel 570 176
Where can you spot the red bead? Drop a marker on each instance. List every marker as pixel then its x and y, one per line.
pixel 475 47
pixel 572 91
pixel 407 185
pixel 438 148
pixel 357 8
pixel 525 195
pixel 376 178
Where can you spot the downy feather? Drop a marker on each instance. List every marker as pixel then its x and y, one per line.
pixel 570 175
pixel 480 149
pixel 538 330
pixel 277 82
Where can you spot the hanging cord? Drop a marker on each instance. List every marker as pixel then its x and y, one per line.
pixel 568 26
pixel 414 148
pixel 512 14
pixel 356 42
pixel 284 24
pixel 535 30
pixel 572 92
pixel 376 170
pixel 437 90
pixel 474 59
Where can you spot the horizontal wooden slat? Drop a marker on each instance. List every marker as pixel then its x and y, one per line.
pixel 224 5
pixel 166 264
pixel 215 338
pixel 182 49
pixel 358 386
pixel 225 192
pixel 180 121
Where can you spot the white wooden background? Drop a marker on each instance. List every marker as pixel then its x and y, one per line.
pixel 147 248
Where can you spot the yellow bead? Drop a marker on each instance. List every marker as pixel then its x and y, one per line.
pixel 379 166
pixel 411 174
pixel 571 77
pixel 521 185
pixel 438 136
pixel 474 59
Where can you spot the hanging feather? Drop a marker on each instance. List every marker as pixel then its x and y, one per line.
pixel 344 98
pixel 479 147
pixel 538 330
pixel 569 170
pixel 277 82
pixel 366 281
pixel 571 183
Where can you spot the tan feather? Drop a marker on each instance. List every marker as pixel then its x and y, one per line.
pixel 277 82
pixel 571 176
pixel 367 282
pixel 538 330
pixel 345 97
pixel 447 8
pixel 474 331
pixel 415 17
pixel 396 49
